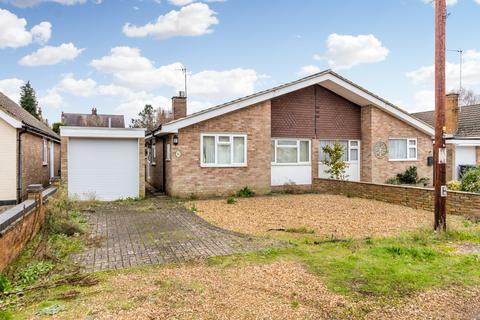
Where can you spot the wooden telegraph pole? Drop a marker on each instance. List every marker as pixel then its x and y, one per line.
pixel 440 152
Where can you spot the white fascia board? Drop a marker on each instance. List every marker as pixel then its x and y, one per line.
pixel 87 132
pixel 464 142
pixel 182 123
pixel 386 107
pixel 10 120
pixel 208 114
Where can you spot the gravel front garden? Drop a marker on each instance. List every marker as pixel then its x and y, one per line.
pixel 325 215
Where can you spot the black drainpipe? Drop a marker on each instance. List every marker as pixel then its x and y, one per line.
pixel 20 165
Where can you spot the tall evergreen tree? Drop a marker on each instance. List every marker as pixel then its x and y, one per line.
pixel 28 99
pixel 147 118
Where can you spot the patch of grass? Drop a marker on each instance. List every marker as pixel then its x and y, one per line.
pixel 34 271
pixel 383 268
pixel 193 208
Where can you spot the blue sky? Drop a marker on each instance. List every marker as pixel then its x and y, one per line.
pixel 118 55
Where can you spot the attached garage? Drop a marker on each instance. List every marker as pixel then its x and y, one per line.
pixel 103 163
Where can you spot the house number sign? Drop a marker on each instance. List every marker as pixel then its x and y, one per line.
pixel 380 149
pixel 178 154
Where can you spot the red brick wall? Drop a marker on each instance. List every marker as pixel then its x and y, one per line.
pixel 33 169
pixel 14 238
pixel 185 176
pixel 315 112
pixel 460 203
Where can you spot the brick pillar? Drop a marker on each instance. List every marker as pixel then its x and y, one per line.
pixel 179 107
pixel 451 162
pixel 141 167
pixel 366 156
pixel 64 160
pixel 314 159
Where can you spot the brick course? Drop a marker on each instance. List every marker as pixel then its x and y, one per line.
pixel 459 203
pixel 185 176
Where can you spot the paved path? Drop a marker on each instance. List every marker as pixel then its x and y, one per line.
pixel 126 238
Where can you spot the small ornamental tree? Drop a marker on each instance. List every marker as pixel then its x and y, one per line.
pixel 336 166
pixel 28 100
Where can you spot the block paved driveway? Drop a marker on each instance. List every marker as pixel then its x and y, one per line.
pixel 155 232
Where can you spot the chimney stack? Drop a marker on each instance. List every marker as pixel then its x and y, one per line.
pixel 179 106
pixel 452 113
pixel 94 111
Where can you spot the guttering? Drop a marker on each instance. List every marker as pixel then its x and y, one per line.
pixel 40 132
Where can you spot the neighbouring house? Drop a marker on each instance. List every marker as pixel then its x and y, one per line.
pixel 103 163
pixel 275 137
pixel 462 126
pixel 93 120
pixel 30 152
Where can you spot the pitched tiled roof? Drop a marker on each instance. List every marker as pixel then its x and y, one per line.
pixel 17 112
pixel 91 120
pixel 468 123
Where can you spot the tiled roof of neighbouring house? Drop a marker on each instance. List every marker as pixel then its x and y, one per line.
pixel 93 120
pixel 468 122
pixel 17 112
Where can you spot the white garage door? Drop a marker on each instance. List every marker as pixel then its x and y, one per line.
pixel 106 169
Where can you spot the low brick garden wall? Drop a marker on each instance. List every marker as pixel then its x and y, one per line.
pixel 18 225
pixel 459 203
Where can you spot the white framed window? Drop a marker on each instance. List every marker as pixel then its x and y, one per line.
pixel 223 150
pixel 402 149
pixel 290 151
pixel 154 154
pixel 45 152
pixel 350 149
pixel 168 152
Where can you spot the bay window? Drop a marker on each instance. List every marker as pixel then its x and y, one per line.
pixel 223 150
pixel 402 149
pixel 290 151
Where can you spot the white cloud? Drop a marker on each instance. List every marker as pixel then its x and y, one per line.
pixel 193 20
pixel 130 69
pixel 424 100
pixel 77 87
pixel 180 2
pixel 12 31
pixel 51 55
pixel 42 32
pixel 51 99
pixel 32 3
pixel 11 88
pixel 308 70
pixel 346 51
pixel 424 76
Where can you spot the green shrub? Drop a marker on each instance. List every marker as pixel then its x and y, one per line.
pixel 194 208
pixel 245 192
pixel 393 180
pixel 410 176
pixel 231 200
pixel 336 166
pixel 454 185
pixel 471 180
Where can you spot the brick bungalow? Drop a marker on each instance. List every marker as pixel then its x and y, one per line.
pixel 30 152
pixel 275 137
pixel 462 126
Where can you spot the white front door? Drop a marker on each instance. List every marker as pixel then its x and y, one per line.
pixel 52 159
pixel 351 157
pixel 104 169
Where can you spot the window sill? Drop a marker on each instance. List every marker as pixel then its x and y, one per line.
pixel 223 166
pixel 402 160
pixel 153 163
pixel 290 164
